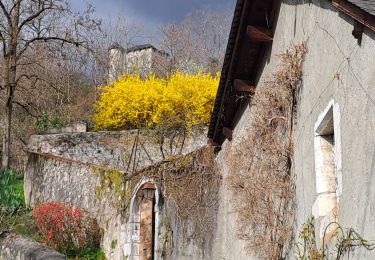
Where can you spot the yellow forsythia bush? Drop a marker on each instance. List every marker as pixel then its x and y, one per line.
pixel 133 102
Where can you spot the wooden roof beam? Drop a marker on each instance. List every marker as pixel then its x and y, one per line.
pixel 211 142
pixel 228 133
pixel 356 13
pixel 244 86
pixel 259 34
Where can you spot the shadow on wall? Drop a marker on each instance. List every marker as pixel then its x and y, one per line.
pixel 357 28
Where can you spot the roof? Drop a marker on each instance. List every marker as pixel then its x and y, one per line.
pixel 146 46
pixel 242 61
pixel 366 5
pixel 141 47
pixel 245 55
pixel 116 45
pixel 362 11
pixel 225 69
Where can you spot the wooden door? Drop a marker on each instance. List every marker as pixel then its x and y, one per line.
pixel 147 225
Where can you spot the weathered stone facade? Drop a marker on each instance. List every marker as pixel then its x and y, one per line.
pixel 144 58
pixel 69 168
pixel 17 247
pixel 333 155
pixel 332 163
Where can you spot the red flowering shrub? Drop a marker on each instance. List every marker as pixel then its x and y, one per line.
pixel 66 228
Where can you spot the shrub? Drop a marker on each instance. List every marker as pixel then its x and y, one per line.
pixel 182 101
pixel 46 121
pixel 11 190
pixel 18 220
pixel 65 228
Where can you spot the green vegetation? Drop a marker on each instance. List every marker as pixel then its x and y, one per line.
pixel 47 121
pixel 113 244
pixel 18 220
pixel 86 254
pixel 11 190
pixel 110 182
pixel 16 217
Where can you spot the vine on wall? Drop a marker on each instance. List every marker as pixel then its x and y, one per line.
pixel 262 188
pixel 189 182
pixel 340 244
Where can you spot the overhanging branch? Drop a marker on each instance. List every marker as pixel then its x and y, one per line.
pixel 24 107
pixel 7 15
pixel 35 15
pixel 46 39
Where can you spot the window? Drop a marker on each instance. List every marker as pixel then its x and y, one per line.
pixel 327 169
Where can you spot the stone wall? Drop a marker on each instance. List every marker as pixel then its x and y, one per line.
pixel 69 168
pixel 338 71
pixel 16 247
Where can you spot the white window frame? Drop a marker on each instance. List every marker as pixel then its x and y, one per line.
pixel 325 208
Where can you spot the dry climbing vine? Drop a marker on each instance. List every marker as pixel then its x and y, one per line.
pixel 188 182
pixel 191 184
pixel 341 244
pixel 261 182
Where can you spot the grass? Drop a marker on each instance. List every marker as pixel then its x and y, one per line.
pixel 11 190
pixel 87 254
pixel 16 217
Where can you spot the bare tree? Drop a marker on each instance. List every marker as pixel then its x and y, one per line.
pixel 119 36
pixel 198 42
pixel 24 26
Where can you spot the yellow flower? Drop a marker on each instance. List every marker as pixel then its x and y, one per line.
pixel 132 102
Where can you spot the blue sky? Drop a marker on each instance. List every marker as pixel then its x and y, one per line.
pixel 151 13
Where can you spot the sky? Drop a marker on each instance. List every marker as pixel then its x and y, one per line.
pixel 151 13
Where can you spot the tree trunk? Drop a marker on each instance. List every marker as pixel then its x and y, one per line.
pixel 9 81
pixel 7 127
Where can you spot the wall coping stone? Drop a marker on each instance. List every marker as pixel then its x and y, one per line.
pixel 18 247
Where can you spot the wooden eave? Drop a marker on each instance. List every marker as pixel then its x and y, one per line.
pixel 354 11
pixel 251 34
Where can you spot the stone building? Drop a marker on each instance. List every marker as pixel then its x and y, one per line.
pixel 332 138
pixel 120 179
pixel 306 149
pixel 145 58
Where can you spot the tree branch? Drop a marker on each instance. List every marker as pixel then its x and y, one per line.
pixel 14 5
pixel 24 108
pixel 7 15
pixel 36 39
pixel 2 38
pixel 29 77
pixel 35 15
pixel 22 141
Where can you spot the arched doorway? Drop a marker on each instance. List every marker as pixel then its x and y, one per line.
pixel 144 215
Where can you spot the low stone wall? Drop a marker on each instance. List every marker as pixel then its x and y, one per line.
pixel 124 150
pixel 16 247
pixel 72 168
pixel 50 178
